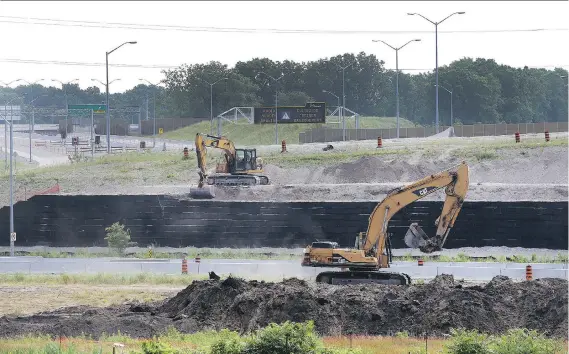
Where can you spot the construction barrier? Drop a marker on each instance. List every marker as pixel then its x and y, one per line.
pixel 547 135
pixel 420 262
pixel 283 146
pixel 379 142
pixel 184 266
pixel 517 136
pixel 186 154
pixel 198 261
pixel 529 273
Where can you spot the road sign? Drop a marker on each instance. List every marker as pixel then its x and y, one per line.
pixel 312 112
pixel 160 130
pixel 10 113
pixel 13 236
pixel 97 108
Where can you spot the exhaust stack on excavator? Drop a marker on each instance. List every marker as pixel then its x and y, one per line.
pixel 373 251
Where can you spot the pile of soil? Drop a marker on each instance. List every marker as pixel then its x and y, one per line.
pixel 244 306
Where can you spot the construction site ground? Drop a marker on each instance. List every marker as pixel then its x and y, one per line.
pixel 500 169
pixel 241 305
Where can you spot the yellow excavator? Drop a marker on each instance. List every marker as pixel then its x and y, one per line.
pixel 241 167
pixel 373 248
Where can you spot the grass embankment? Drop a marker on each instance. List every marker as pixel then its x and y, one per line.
pixel 242 133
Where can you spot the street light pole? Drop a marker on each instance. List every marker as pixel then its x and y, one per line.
pixel 153 102
pixel 211 105
pixel 343 68
pixel 31 123
pixel 396 74
pixel 107 110
pixel 6 84
pixel 437 60
pixel 66 103
pixel 276 102
pixel 11 173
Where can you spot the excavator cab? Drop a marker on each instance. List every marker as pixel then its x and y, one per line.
pixel 245 160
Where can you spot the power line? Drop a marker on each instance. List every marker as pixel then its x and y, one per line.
pixel 161 27
pixel 142 66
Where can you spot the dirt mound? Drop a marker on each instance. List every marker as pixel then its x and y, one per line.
pixel 363 309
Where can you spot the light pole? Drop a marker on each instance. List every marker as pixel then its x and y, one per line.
pixel 32 100
pixel 449 91
pixel 211 105
pixel 396 73
pixel 154 101
pixel 276 101
pixel 6 84
pixel 66 103
pixel 343 68
pixel 32 122
pixel 11 173
pixel 437 60
pixel 339 114
pixel 107 110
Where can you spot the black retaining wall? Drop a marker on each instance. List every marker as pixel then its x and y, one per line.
pixel 80 221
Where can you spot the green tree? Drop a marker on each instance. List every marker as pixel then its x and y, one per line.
pixel 117 237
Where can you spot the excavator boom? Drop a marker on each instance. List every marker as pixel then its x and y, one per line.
pixel 372 250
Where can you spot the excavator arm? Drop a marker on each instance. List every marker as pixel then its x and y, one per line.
pixel 454 180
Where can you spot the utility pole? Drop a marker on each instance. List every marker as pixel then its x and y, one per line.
pixel 437 60
pixel 396 74
pixel 107 110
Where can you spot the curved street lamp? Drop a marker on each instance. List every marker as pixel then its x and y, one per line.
pixel 436 59
pixel 66 103
pixel 107 110
pixel 396 49
pixel 211 105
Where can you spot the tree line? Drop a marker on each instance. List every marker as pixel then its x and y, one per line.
pixel 483 91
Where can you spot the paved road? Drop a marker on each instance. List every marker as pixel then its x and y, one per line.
pixel 273 269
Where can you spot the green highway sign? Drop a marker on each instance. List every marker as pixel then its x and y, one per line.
pixel 97 108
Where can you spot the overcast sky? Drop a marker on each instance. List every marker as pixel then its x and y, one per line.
pixel 163 46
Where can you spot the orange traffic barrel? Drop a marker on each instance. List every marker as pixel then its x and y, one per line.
pixel 186 155
pixel 184 266
pixel 283 146
pixel 379 142
pixel 420 262
pixel 517 136
pixel 546 135
pixel 529 272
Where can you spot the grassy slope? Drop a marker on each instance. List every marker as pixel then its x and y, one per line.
pixel 243 133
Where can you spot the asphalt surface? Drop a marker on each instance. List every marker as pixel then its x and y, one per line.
pixel 270 269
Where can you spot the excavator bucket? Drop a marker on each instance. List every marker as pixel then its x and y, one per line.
pixel 205 192
pixel 415 236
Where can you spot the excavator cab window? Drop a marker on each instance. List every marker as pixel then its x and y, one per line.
pixel 240 160
pixel 246 160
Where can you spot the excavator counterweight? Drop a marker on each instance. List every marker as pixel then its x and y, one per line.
pixel 241 167
pixel 372 250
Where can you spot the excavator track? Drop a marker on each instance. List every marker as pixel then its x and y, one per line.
pixel 237 180
pixel 363 277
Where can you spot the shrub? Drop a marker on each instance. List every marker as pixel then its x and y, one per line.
pixel 468 342
pixel 524 341
pixel 287 338
pixel 156 347
pixel 117 237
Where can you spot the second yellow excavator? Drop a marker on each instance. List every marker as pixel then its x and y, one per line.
pixel 373 249
pixel 241 167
